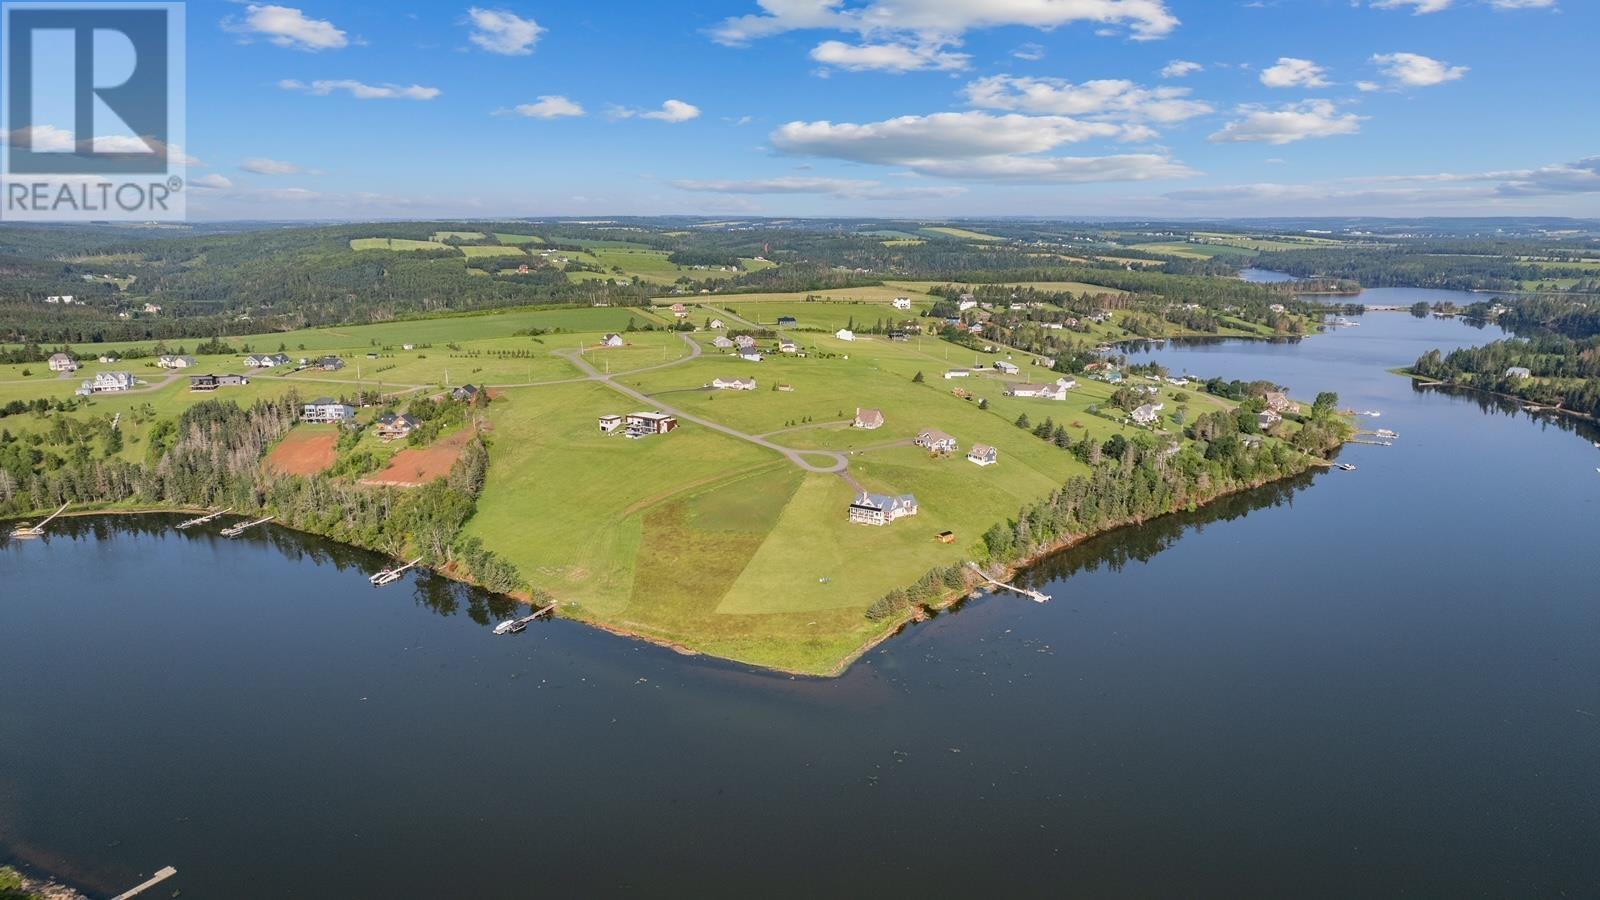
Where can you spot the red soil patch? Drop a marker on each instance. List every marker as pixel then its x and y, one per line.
pixel 416 467
pixel 304 451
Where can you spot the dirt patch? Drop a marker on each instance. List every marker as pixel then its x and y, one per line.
pixel 304 451
pixel 414 467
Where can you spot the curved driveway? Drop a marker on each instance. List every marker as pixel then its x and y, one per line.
pixel 798 457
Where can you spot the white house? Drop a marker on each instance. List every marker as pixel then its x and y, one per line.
pixel 174 362
pixel 610 423
pixel 744 342
pixel 1007 367
pixel 612 340
pixel 1148 414
pixel 881 509
pixel 902 303
pixel 644 424
pixel 936 441
pixel 721 343
pixel 152 308
pixel 408 346
pixel 845 334
pixel 733 384
pixel 1041 391
pixel 868 418
pixel 60 362
pixel 1268 418
pixel 751 356
pixel 788 346
pixel 717 324
pixel 327 410
pixel 966 302
pixel 983 455
pixel 1067 384
pixel 107 383
pixel 957 373
pixel 1513 372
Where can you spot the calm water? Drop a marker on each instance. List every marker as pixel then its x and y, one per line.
pixel 1376 683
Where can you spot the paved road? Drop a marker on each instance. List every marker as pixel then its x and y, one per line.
pixel 798 457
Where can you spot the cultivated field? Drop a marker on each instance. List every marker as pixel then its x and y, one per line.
pixel 305 450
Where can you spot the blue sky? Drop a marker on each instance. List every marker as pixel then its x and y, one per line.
pixel 894 107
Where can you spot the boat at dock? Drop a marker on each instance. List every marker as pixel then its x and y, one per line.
pixel 26 530
pixel 390 576
pixel 513 626
pixel 202 519
pixel 237 530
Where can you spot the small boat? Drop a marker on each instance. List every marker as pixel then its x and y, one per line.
pixel 1344 467
pixel 512 626
pixel 1597 445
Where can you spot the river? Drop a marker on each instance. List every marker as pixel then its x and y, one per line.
pixel 1381 682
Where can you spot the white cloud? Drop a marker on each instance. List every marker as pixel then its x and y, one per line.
pixel 549 106
pixel 286 26
pixel 1368 87
pixel 1581 177
pixel 1181 68
pixel 212 181
pixel 361 91
pixel 1522 4
pixel 263 166
pixel 1292 72
pixel 1416 70
pixel 1030 52
pixel 944 19
pixel 503 32
pixel 892 57
pixel 975 145
pixel 1420 7
pixel 1287 124
pixel 672 112
pixel 1105 99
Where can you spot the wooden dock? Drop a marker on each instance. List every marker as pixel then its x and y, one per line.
pixel 33 531
pixel 152 881
pixel 389 576
pixel 237 530
pixel 203 519
pixel 1035 596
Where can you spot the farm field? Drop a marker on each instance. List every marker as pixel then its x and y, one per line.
pixel 965 234
pixel 305 450
pixel 394 244
pixel 701 538
pixel 1185 250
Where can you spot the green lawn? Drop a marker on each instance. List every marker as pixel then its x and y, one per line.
pixel 965 234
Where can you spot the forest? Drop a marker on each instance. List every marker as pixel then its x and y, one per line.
pixel 210 457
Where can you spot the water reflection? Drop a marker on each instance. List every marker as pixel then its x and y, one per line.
pixel 1141 543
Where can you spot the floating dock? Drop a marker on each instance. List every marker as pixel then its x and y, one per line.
pixel 32 531
pixel 203 519
pixel 390 576
pixel 152 881
pixel 237 530
pixel 1035 596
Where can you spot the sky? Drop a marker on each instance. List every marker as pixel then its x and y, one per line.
pixel 917 108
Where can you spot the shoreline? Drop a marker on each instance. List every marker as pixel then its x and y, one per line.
pixel 1526 405
pixel 918 613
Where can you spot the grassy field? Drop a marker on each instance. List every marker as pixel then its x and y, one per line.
pixel 1185 250
pixel 698 538
pixel 394 244
pixel 518 238
pixel 962 233
pixel 472 251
